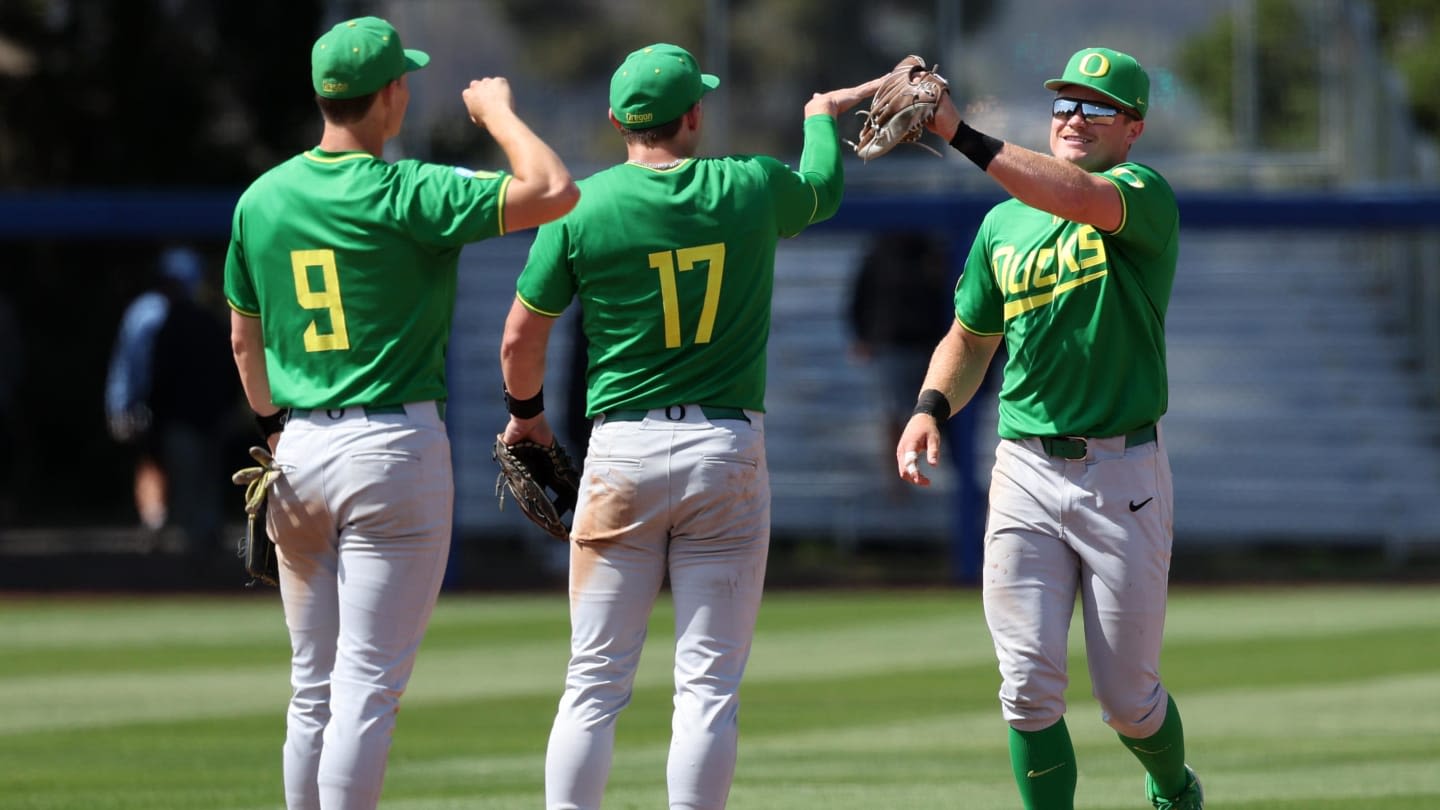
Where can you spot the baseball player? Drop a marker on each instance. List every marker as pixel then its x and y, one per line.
pixel 341 276
pixel 1074 276
pixel 672 258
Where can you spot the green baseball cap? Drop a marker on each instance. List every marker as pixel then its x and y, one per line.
pixel 358 57
pixel 657 84
pixel 1115 75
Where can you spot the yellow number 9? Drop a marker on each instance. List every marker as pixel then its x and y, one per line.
pixel 326 298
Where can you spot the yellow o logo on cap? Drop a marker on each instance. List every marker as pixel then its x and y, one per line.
pixel 1096 69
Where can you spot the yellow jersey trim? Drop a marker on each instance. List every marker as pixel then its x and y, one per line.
pixel 535 309
pixel 339 158
pixel 1124 206
pixel 972 330
pixel 504 186
pixel 247 313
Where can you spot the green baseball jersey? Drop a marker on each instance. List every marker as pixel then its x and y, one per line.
pixel 1082 310
pixel 350 264
pixel 674 270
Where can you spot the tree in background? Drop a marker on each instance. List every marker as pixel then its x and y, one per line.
pixel 1410 36
pixel 152 92
pixel 157 93
pixel 1286 69
pixel 779 50
pixel 1288 49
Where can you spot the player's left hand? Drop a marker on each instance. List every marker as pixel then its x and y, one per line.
pixel 946 119
pixel 921 440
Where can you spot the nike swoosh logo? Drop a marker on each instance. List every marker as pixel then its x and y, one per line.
pixel 1037 774
pixel 1137 749
pixel 1136 507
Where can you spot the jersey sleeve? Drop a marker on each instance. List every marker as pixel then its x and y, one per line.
pixel 813 193
pixel 547 284
pixel 1150 212
pixel 450 206
pixel 979 302
pixel 239 284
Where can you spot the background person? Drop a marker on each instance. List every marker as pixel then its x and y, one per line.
pixel 170 395
pixel 897 313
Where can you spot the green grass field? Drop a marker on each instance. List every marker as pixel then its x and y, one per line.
pixel 1316 698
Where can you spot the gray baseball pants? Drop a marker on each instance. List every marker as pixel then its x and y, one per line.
pixel 676 496
pixel 1098 528
pixel 362 519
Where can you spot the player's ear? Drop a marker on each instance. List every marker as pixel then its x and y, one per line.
pixel 1137 126
pixel 386 94
pixel 614 122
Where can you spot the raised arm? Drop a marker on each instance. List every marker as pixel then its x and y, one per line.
pixel 820 164
pixel 835 102
pixel 1040 181
pixel 541 189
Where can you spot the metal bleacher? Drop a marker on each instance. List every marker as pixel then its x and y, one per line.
pixel 1297 410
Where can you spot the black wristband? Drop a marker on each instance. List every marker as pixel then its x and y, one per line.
pixel 274 423
pixel 526 408
pixel 934 403
pixel 979 147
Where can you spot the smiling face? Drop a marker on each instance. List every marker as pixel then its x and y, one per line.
pixel 1090 145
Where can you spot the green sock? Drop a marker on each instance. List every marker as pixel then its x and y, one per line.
pixel 1163 753
pixel 1044 764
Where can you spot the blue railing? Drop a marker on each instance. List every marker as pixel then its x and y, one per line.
pixel 82 214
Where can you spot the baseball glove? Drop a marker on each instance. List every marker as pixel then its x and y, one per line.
pixel 900 109
pixel 256 547
pixel 528 469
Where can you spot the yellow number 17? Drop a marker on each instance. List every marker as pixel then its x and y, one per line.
pixel 667 263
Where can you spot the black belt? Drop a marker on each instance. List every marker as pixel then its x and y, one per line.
pixel 370 410
pixel 1075 448
pixel 676 413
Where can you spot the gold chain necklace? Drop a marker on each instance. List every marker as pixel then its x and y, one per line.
pixel 659 167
